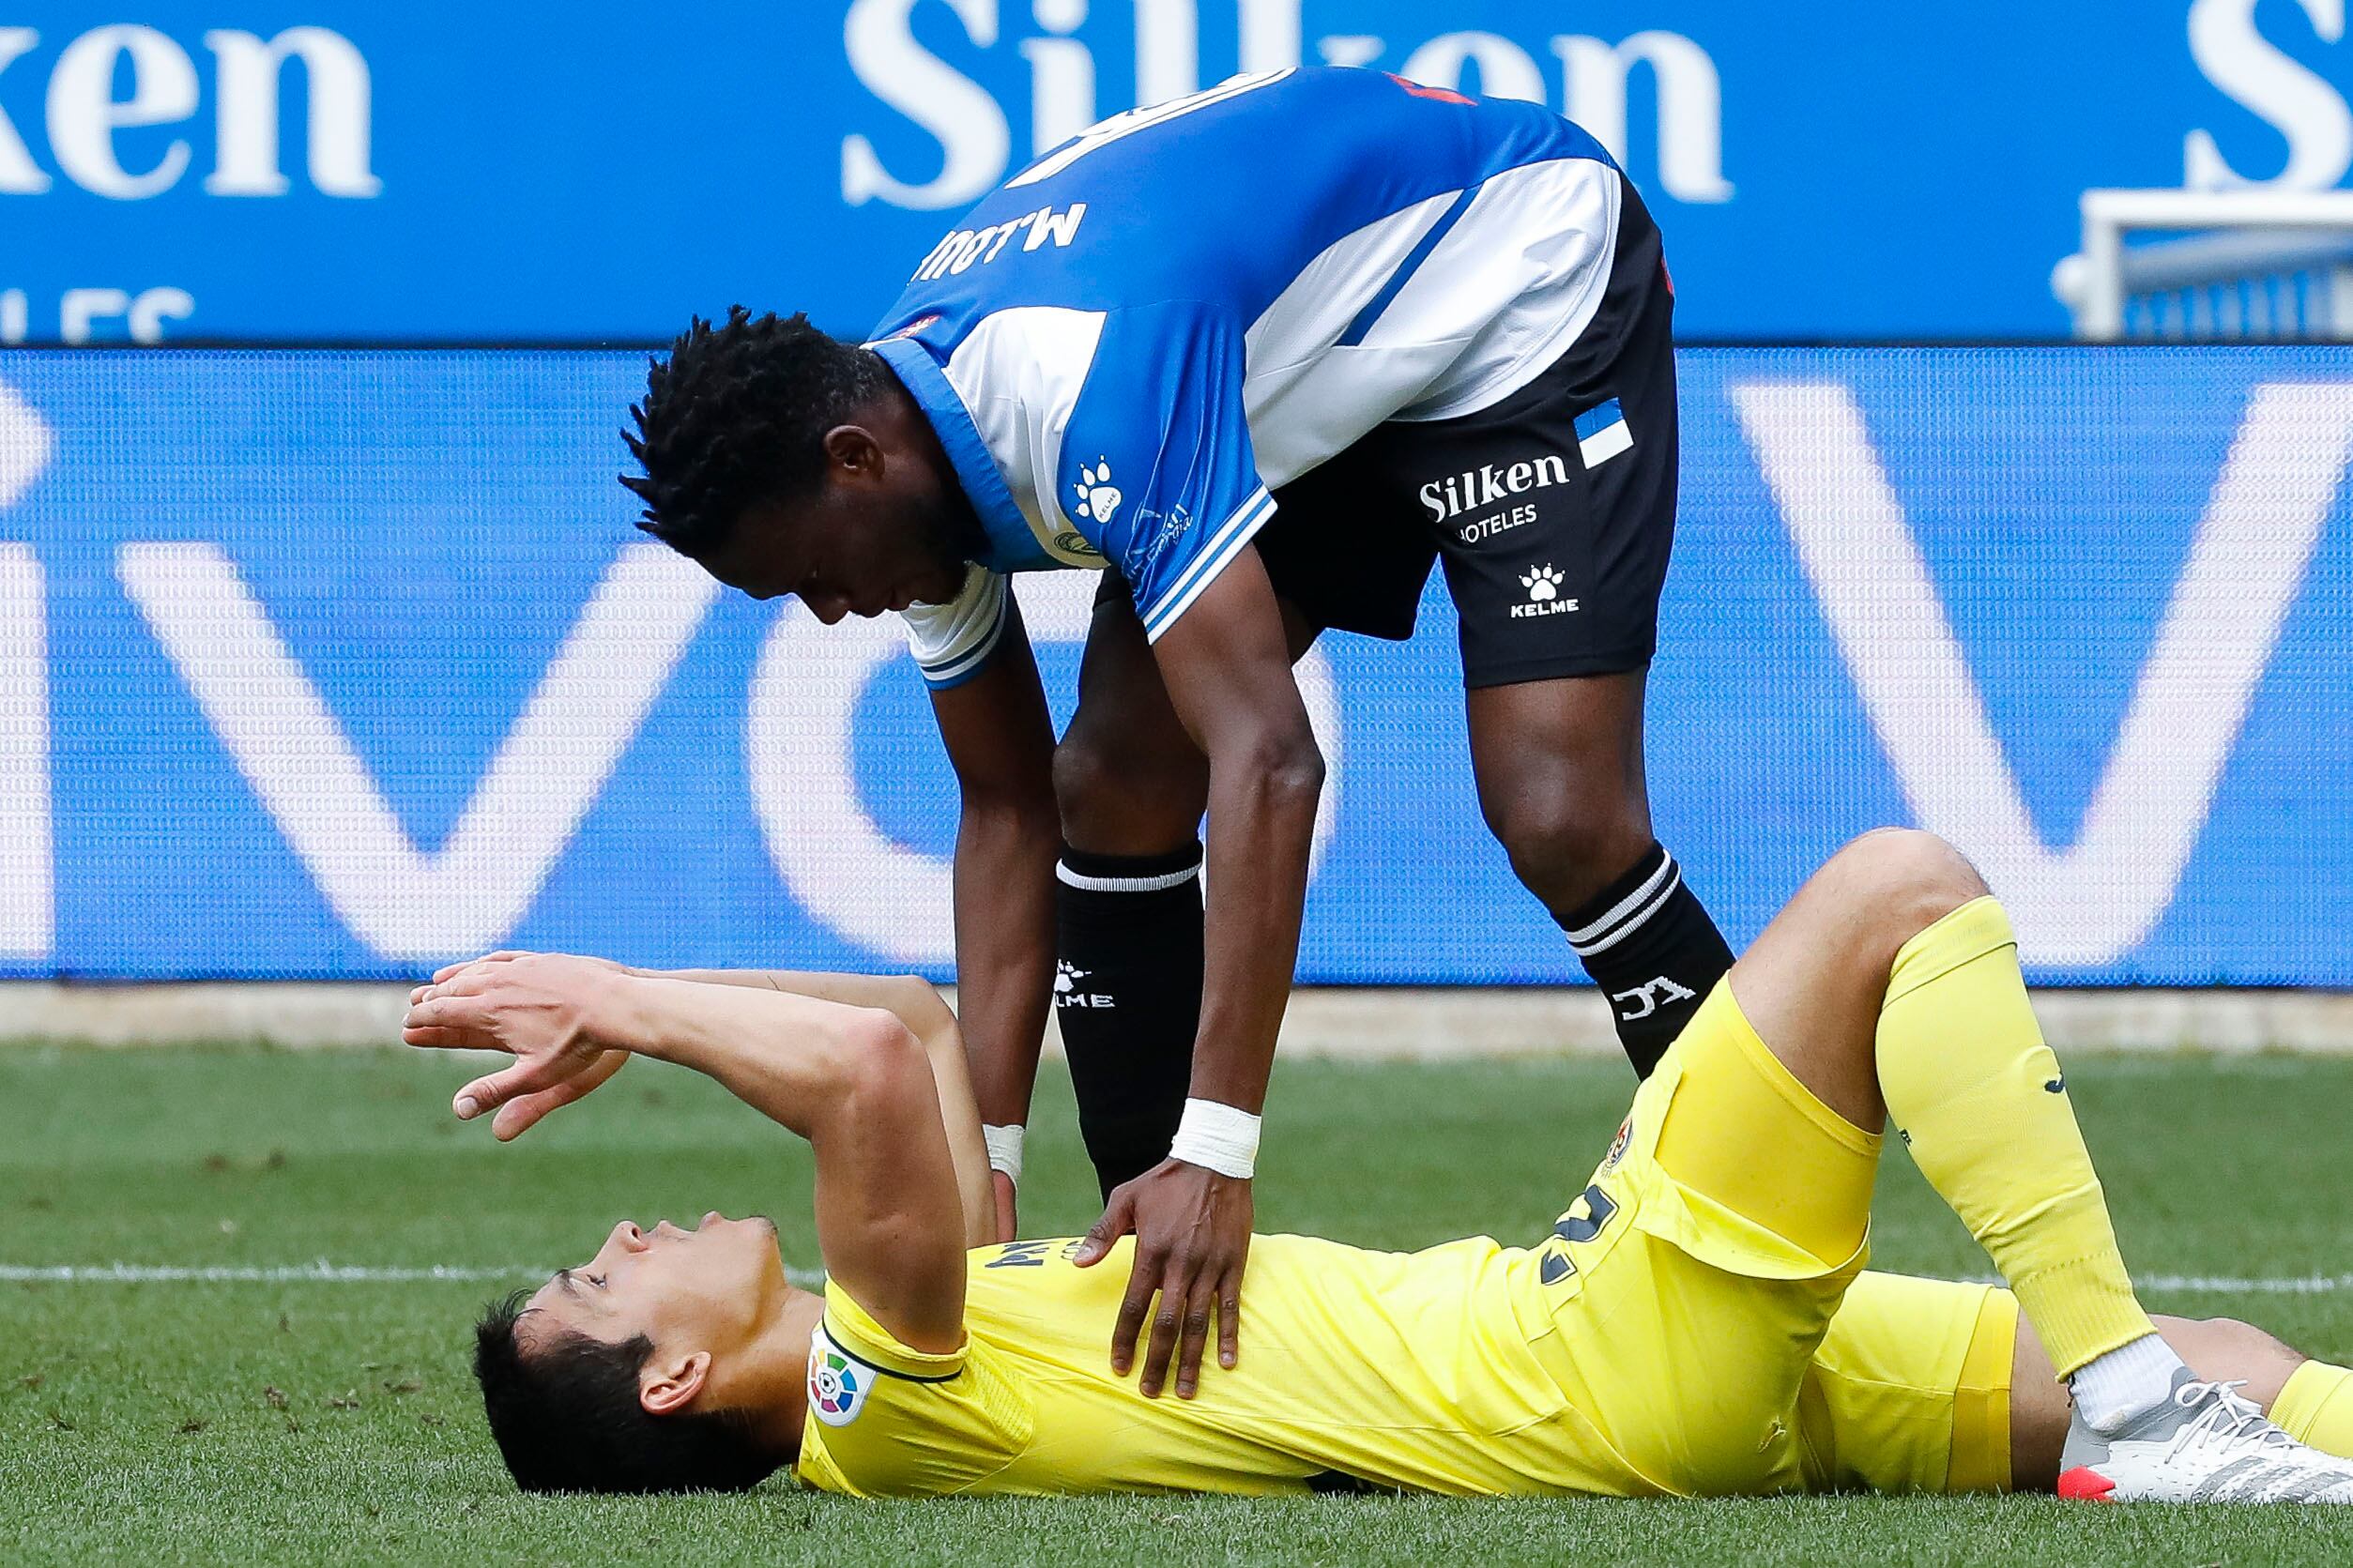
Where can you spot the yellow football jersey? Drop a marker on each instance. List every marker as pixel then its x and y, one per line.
pixel 1388 1369
pixel 1698 1322
pixel 1908 1392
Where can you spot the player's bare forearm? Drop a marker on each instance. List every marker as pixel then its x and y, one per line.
pixel 916 1004
pixel 1227 665
pixel 1001 742
pixel 1004 940
pixel 858 1085
pixel 788 1055
pixel 1192 1223
pixel 854 1081
pixel 1227 669
pixel 897 994
pixel 1261 827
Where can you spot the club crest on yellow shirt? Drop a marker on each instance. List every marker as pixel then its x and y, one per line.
pixel 1618 1145
pixel 838 1385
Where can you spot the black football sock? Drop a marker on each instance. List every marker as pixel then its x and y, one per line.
pixel 1127 994
pixel 1649 943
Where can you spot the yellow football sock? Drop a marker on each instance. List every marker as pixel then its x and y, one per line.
pixel 1980 1100
pixel 2316 1407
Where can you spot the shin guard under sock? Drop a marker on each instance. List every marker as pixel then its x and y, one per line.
pixel 1127 995
pixel 1982 1104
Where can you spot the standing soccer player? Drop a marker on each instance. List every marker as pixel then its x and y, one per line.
pixel 1259 354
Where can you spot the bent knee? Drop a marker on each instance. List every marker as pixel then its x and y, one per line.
pixel 1119 797
pixel 1906 880
pixel 1566 845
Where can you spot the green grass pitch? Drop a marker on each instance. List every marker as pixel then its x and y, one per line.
pixel 318 1421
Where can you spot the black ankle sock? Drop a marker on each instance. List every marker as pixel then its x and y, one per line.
pixel 1127 994
pixel 1649 943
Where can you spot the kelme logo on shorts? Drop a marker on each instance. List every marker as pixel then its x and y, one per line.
pixel 838 1386
pixel 1543 584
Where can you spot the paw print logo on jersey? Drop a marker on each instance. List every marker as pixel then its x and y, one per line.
pixel 1098 497
pixel 837 1385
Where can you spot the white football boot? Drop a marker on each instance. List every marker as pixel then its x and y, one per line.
pixel 2204 1445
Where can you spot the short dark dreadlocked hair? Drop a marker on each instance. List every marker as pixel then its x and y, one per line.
pixel 566 1418
pixel 737 417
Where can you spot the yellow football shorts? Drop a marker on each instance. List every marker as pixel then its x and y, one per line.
pixel 1910 1391
pixel 1707 1311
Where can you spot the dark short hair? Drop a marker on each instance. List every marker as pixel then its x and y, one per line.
pixel 735 418
pixel 566 1418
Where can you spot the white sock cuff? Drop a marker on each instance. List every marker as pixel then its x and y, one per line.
pixel 2111 1388
pixel 1631 913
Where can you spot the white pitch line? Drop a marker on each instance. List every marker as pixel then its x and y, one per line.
pixel 318 1273
pixel 2229 1285
pixel 2267 1285
pixel 321 1271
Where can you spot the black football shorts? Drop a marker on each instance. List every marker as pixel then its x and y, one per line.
pixel 1554 509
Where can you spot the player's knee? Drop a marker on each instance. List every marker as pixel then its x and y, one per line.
pixel 1903 880
pixel 1567 844
pixel 1121 798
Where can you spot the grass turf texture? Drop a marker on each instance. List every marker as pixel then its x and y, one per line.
pixel 315 1421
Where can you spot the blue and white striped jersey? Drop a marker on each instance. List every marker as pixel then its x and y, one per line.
pixel 1128 344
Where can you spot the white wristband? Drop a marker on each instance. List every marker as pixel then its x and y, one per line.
pixel 1217 1138
pixel 1004 1150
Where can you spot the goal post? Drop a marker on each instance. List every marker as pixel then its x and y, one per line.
pixel 2246 265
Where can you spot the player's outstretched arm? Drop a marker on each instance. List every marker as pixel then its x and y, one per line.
pixel 854 1081
pixel 1227 665
pixel 915 1002
pixel 1001 742
pixel 912 998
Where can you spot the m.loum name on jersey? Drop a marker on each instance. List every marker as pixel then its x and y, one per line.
pixel 964 247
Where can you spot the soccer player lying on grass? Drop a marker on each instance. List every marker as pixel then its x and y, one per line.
pixel 1698 1322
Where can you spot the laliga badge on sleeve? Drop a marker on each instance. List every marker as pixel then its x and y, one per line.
pixel 1617 1146
pixel 838 1385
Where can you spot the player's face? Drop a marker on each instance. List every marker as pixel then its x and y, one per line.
pixel 877 535
pixel 710 1288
